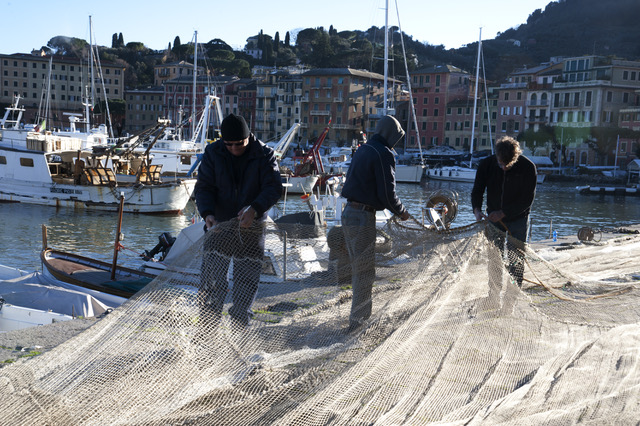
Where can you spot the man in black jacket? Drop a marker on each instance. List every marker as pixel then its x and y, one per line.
pixel 510 182
pixel 238 182
pixel 370 185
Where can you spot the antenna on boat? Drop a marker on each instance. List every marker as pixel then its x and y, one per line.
pixel 195 79
pixel 475 99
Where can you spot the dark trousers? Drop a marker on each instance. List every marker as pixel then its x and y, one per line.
pixel 246 247
pixel 359 227
pixel 510 238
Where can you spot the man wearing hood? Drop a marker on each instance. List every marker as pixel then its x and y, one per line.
pixel 370 186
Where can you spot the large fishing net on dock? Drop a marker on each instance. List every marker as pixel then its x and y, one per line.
pixel 466 327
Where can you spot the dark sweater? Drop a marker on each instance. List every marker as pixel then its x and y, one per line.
pixel 512 191
pixel 226 184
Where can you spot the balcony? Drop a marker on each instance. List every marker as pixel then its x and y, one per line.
pixel 570 105
pixel 540 102
pixel 588 83
pixel 538 119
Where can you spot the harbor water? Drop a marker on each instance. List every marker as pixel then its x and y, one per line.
pixel 557 207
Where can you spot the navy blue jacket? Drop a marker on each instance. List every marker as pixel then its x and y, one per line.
pixel 512 191
pixel 371 178
pixel 220 193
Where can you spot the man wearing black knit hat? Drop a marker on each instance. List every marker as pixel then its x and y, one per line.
pixel 238 182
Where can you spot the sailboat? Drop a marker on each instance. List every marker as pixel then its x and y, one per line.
pixel 405 173
pixel 460 173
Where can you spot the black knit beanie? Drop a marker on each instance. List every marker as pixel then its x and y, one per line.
pixel 234 128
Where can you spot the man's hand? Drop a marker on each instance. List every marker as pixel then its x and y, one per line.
pixel 246 216
pixel 478 214
pixel 404 216
pixel 210 221
pixel 496 216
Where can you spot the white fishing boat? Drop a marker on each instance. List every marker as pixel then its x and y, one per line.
pixel 409 173
pixel 54 170
pixel 452 173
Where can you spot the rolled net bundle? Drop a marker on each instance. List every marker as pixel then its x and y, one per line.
pixel 462 326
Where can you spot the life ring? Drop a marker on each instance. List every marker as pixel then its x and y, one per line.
pixel 445 202
pixel 587 233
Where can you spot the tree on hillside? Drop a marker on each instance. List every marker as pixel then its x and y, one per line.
pixel 68 46
pixel 287 40
pixel 114 41
pixel 276 42
pixel 120 40
pixel 177 48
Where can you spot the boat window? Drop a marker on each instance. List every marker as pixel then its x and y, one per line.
pixel 26 162
pixel 3 159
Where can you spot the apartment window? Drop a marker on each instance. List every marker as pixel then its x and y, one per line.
pixel 506 96
pixel 625 75
pixel 587 101
pixel 609 96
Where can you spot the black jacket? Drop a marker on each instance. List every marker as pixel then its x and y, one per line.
pixel 371 177
pixel 222 192
pixel 512 191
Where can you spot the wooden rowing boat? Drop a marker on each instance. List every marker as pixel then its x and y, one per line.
pixel 93 274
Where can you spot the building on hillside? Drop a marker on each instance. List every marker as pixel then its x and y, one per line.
pixel 590 93
pixel 434 89
pixel 524 100
pixel 66 81
pixel 288 102
pixel 239 98
pixel 144 106
pixel 265 118
pixel 344 99
pixel 629 119
pixel 169 71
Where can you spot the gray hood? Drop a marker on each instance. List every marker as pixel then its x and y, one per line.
pixel 390 129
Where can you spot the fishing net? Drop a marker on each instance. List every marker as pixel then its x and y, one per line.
pixel 466 326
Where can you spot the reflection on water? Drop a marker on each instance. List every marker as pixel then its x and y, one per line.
pixel 93 233
pixel 87 233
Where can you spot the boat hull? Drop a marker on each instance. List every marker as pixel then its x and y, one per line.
pixel 609 190
pixel 167 198
pixel 409 173
pixel 300 184
pixel 93 274
pixel 454 174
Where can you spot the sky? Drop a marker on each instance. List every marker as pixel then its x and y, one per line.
pixel 30 24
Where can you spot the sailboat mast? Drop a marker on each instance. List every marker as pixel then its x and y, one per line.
pixel 475 98
pixel 386 55
pixel 93 81
pixel 195 76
